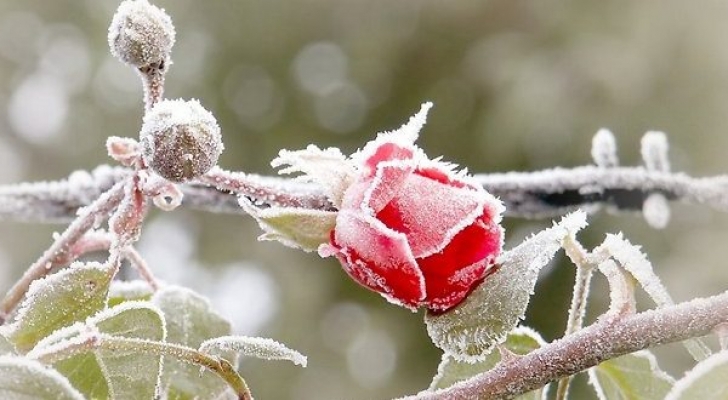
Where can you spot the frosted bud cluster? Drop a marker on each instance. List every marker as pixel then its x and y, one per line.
pixel 180 140
pixel 141 34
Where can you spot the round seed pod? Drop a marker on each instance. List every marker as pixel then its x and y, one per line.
pixel 180 140
pixel 141 35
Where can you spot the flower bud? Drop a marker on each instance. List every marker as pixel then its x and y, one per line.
pixel 141 34
pixel 180 140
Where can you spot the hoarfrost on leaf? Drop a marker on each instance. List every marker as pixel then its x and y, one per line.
pixel 59 300
pixel 301 228
pixel 121 291
pixel 5 346
pixel 329 168
pixel 24 379
pixel 632 376
pixel 190 321
pixel 631 258
pixel 520 341
pixel 469 331
pixel 706 381
pixel 264 348
pixel 101 373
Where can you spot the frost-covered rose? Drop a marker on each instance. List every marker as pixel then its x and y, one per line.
pixel 412 229
pixel 407 227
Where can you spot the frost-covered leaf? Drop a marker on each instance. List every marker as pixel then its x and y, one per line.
pixel 520 341
pixel 329 168
pixel 121 291
pixel 60 300
pixel 631 258
pixel 24 379
pixel 102 373
pixel 469 331
pixel 633 376
pixel 5 346
pixel 706 381
pixel 267 349
pixel 190 321
pixel 300 228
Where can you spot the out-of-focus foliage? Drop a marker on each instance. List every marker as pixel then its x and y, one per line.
pixel 516 86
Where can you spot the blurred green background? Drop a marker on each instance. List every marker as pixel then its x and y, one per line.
pixel 517 85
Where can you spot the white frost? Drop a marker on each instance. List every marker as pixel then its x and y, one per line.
pixel 604 149
pixel 654 148
pixel 264 348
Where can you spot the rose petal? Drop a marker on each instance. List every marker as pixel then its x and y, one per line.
pixel 383 151
pixel 377 257
pixel 450 274
pixel 430 213
pixel 387 183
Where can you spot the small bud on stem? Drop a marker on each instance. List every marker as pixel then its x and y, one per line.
pixel 180 140
pixel 142 35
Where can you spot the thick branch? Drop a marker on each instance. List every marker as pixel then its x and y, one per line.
pixel 538 194
pixel 606 339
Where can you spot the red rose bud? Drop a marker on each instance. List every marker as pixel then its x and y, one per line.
pixel 413 229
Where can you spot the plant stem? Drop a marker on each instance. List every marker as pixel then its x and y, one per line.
pixel 278 192
pixel 538 194
pixel 604 340
pixel 93 214
pixel 219 366
pixel 577 311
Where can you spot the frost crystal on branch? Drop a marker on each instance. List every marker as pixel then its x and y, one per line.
pixel 604 149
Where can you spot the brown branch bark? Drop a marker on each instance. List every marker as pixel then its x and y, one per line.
pixel 604 340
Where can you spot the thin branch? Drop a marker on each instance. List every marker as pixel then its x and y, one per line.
pixel 604 340
pixel 90 215
pixel 559 190
pixel 538 194
pixel 577 311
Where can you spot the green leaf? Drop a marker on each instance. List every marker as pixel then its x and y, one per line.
pixel 520 341
pixel 267 349
pixel 706 381
pixel 300 228
pixel 5 346
pixel 101 373
pixel 121 291
pixel 190 321
pixel 59 300
pixel 633 376
pixel 469 331
pixel 24 379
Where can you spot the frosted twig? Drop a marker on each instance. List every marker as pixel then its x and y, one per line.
pixel 584 272
pixel 560 190
pixel 101 241
pixel 279 192
pixel 606 339
pixel 539 194
pixel 93 214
